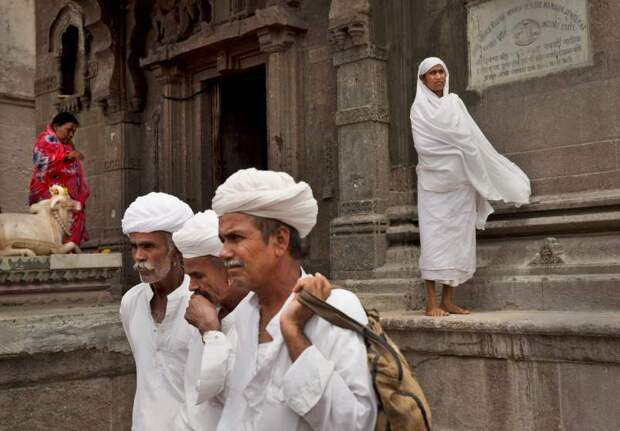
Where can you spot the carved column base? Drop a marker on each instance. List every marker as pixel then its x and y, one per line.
pixel 358 245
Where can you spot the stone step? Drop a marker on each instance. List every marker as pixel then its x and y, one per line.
pixel 380 285
pixel 515 370
pixel 583 292
pixel 384 302
pixel 386 293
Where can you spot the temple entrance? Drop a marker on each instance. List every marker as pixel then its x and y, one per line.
pixel 236 126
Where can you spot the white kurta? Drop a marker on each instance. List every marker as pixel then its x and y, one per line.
pixel 205 378
pixel 160 352
pixel 327 388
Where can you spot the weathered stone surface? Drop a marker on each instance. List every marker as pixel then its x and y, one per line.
pixel 68 369
pixel 518 335
pixel 515 370
pixel 85 260
pixel 17 109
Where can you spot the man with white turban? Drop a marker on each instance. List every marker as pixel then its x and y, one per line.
pixel 293 371
pixel 210 310
pixel 459 171
pixel 152 312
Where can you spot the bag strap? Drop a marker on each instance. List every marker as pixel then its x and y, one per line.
pixel 330 313
pixel 338 318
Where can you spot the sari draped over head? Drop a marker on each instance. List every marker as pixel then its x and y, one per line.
pixel 452 150
pixel 52 167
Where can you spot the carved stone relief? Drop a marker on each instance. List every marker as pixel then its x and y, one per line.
pixel 176 21
pixel 550 253
pixel 349 22
pixel 97 75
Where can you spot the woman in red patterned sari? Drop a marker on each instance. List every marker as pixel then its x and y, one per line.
pixel 56 161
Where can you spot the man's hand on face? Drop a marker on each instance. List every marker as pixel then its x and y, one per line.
pixel 202 314
pixel 295 315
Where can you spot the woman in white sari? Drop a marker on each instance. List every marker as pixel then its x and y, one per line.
pixel 459 171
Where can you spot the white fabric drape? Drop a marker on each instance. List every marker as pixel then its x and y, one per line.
pixel 207 367
pixel 452 150
pixel 160 352
pixel 327 388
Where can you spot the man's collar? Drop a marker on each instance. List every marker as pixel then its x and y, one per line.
pixel 182 289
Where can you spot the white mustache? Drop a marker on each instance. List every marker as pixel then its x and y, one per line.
pixel 233 263
pixel 143 266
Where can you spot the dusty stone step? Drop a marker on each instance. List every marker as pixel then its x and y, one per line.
pixel 388 293
pixel 515 370
pixel 584 292
pixel 384 301
pixel 379 285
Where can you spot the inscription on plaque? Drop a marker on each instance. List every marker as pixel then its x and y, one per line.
pixel 513 40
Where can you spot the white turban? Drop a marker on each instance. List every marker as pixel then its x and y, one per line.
pixel 199 236
pixel 268 194
pixel 156 212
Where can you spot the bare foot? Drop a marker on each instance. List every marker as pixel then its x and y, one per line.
pixel 453 309
pixel 436 312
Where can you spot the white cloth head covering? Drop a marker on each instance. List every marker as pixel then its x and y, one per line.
pixel 199 236
pixel 426 65
pixel 268 194
pixel 156 212
pixel 452 150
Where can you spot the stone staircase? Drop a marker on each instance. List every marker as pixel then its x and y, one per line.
pixel 541 350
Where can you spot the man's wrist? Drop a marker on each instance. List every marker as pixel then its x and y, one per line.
pixel 209 326
pixel 291 328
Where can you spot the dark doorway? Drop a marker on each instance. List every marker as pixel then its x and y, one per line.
pixel 237 127
pixel 68 59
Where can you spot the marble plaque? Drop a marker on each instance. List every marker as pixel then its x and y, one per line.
pixel 511 40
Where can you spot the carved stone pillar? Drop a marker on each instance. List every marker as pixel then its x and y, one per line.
pixel 284 98
pixel 173 152
pixel 358 234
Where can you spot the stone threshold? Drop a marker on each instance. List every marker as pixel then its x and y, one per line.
pixel 517 335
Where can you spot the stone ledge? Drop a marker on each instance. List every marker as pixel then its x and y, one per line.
pixel 38 330
pixel 86 260
pixel 518 335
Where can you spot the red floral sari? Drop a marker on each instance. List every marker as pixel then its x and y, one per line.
pixel 51 167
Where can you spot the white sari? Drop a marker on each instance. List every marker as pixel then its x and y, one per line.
pixel 459 171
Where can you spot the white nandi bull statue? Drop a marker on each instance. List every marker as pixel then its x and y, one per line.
pixel 43 231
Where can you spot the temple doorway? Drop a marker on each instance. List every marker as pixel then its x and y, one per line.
pixel 236 126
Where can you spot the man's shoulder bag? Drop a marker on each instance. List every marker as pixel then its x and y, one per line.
pixel 402 404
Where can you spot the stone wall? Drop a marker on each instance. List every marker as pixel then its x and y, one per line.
pixel 17 110
pixel 561 128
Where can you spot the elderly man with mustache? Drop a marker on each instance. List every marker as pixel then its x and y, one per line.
pixel 292 370
pixel 153 312
pixel 211 312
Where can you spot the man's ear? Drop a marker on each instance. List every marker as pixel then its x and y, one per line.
pixel 281 239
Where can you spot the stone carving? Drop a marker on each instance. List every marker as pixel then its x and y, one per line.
pixel 550 253
pixel 176 21
pixel 349 23
pixel 275 40
pixel 41 232
pixel 96 69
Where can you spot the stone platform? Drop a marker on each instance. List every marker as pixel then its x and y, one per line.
pixel 515 370
pixel 64 361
